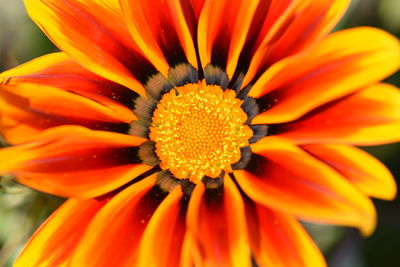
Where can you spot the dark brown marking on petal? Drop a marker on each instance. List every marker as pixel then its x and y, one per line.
pixel 268 101
pixel 187 187
pixel 166 181
pixel 140 67
pixel 144 108
pixel 170 44
pixel 214 199
pixel 147 153
pixel 183 74
pixel 140 128
pixel 245 158
pixel 257 165
pixel 259 132
pixel 251 108
pixel 214 183
pixel 219 56
pixel 252 219
pixel 249 46
pixel 133 181
pixel 151 200
pixel 110 127
pixel 216 76
pixel 85 160
pixel 275 129
pixel 91 84
pixel 157 85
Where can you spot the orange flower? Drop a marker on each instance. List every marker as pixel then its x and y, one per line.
pixel 197 132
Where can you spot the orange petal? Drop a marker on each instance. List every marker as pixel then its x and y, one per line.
pixel 216 223
pixel 288 179
pixel 53 90
pixel 364 171
pixel 60 71
pixel 197 6
pixel 368 117
pixel 75 161
pixel 114 235
pixel 161 31
pixel 341 64
pixel 222 31
pixel 40 107
pixel 55 241
pixel 290 26
pixel 93 33
pixel 279 240
pixel 165 233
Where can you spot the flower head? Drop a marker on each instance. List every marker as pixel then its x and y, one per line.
pixel 198 132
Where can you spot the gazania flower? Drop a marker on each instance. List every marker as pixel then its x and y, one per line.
pixel 198 132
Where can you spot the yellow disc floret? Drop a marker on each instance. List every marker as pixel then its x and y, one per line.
pixel 199 130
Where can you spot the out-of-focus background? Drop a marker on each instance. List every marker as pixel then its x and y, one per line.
pixel 22 210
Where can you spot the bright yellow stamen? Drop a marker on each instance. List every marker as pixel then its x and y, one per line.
pixel 199 130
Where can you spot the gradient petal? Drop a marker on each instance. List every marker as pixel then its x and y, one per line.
pixel 55 241
pixel 286 178
pixel 52 91
pixel 161 31
pixel 59 70
pixel 287 27
pixel 74 161
pixel 364 171
pixel 222 31
pixel 93 33
pixel 216 224
pixel 165 232
pixel 197 7
pixel 343 63
pixel 114 235
pixel 279 240
pixel 367 117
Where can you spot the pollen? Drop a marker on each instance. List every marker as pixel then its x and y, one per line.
pixel 198 131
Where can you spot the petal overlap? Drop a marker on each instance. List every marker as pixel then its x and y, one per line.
pixel 368 117
pixel 66 226
pixel 75 161
pixel 93 33
pixel 279 180
pixel 54 90
pixel 209 214
pixel 344 62
pixel 364 171
pixel 161 31
pixel 119 119
pixel 113 236
pixel 167 245
pixel 274 236
pixel 287 27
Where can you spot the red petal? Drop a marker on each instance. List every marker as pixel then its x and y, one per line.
pixel 54 243
pixel 60 71
pixel 114 235
pixel 343 63
pixel 165 232
pixel 279 240
pixel 75 161
pixel 161 31
pixel 93 33
pixel 217 228
pixel 288 179
pixel 368 117
pixel 222 31
pixel 289 27
pixel 364 171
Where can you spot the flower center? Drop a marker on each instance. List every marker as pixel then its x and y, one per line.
pixel 199 130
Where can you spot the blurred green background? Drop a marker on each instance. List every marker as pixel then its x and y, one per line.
pixel 22 210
